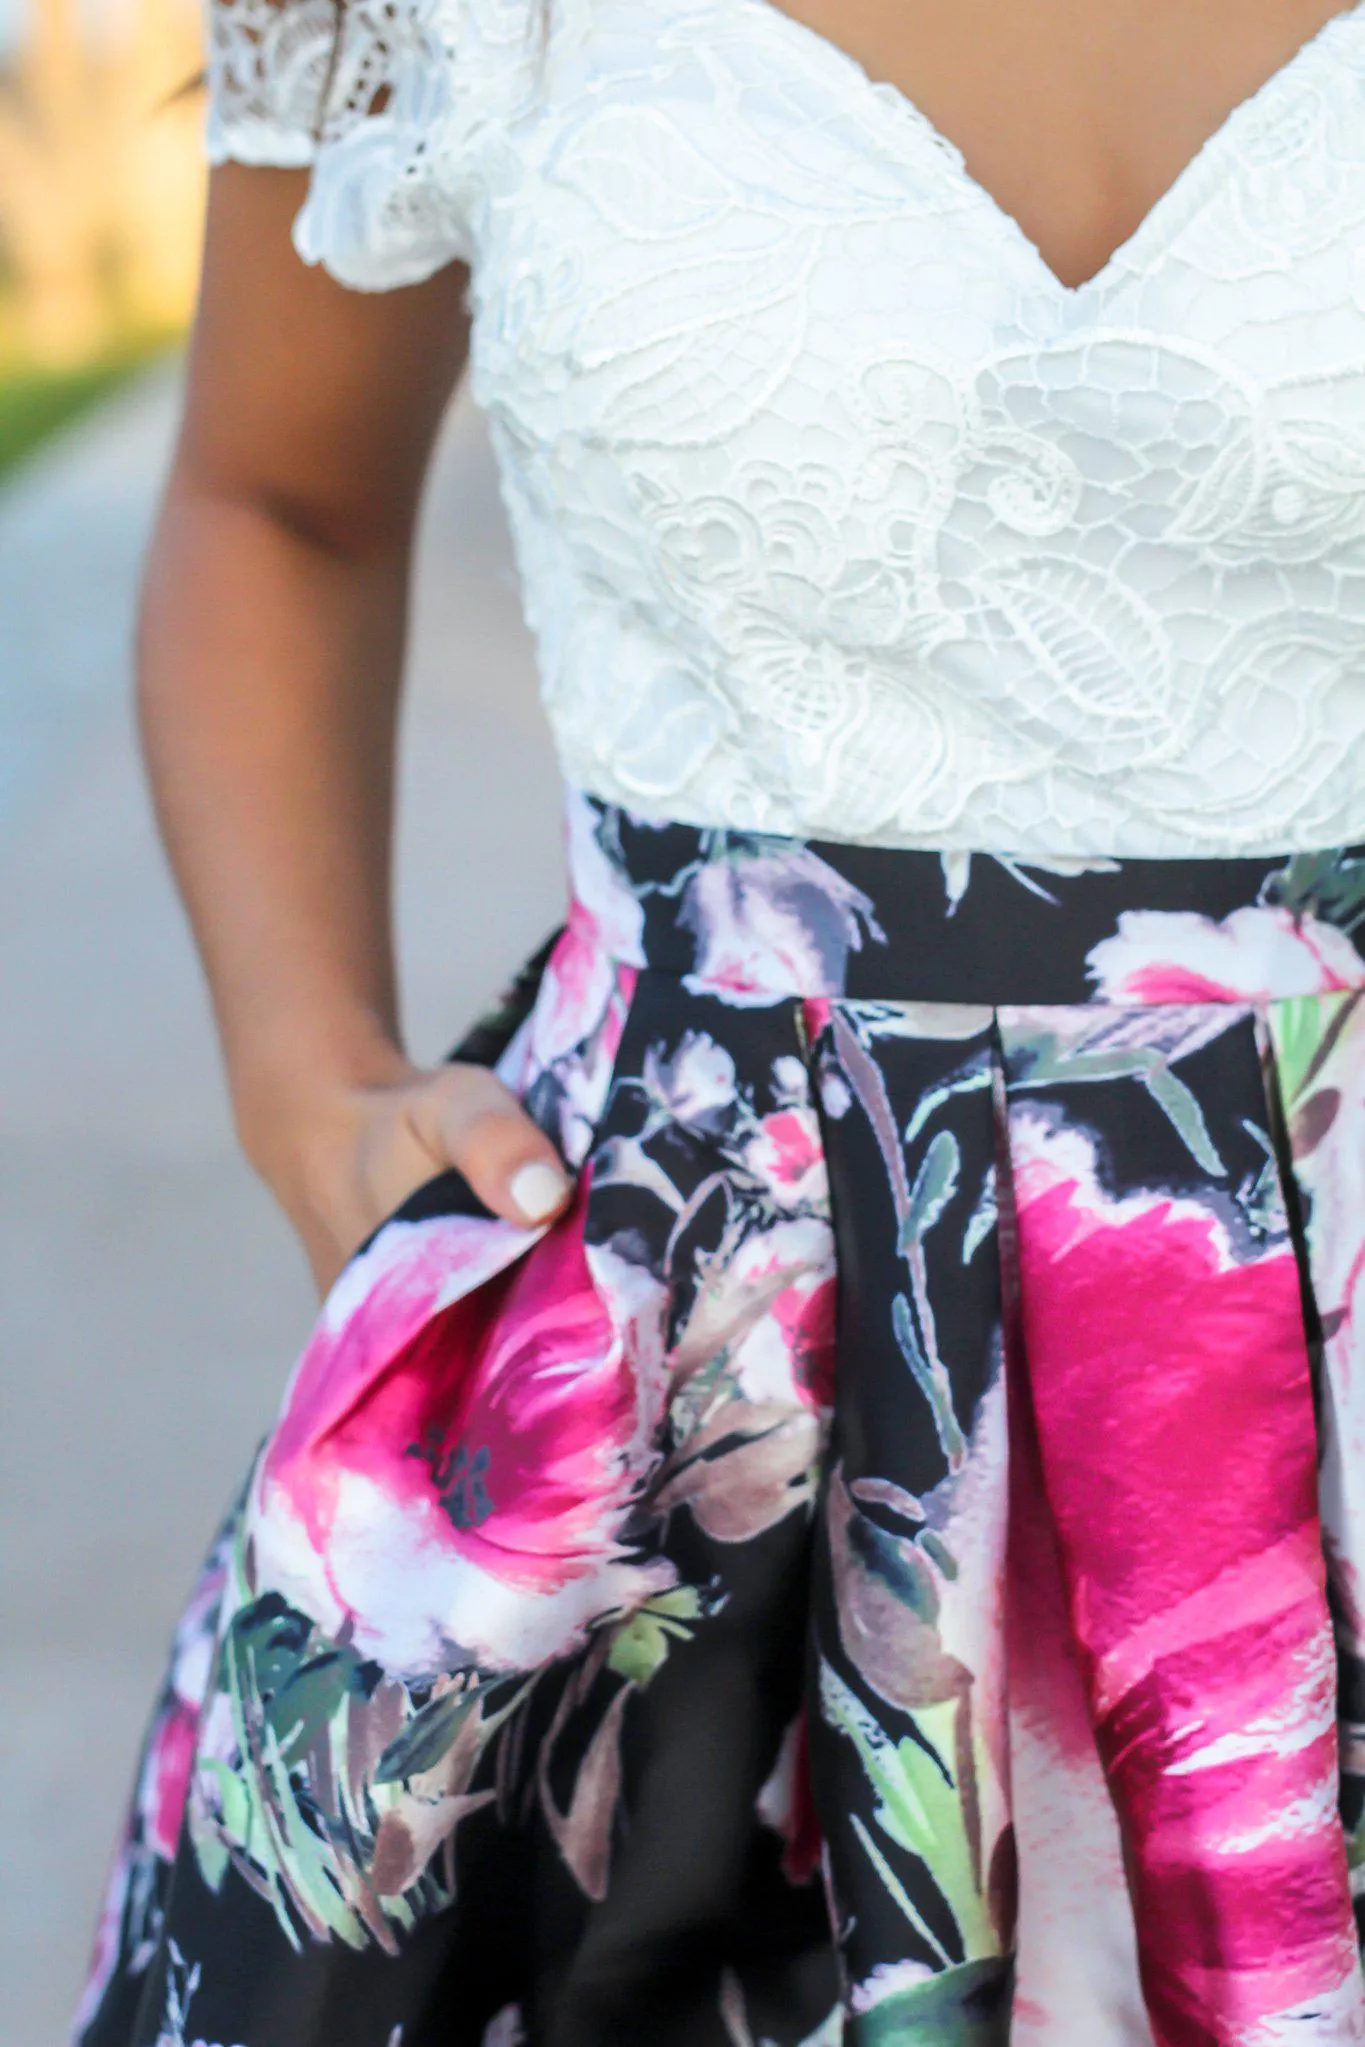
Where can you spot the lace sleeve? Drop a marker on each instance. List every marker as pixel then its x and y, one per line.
pixel 392 102
pixel 270 66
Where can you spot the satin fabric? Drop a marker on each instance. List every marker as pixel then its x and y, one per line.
pixel 884 1567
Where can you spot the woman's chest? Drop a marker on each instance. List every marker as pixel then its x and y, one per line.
pixel 755 346
pixel 1076 116
pixel 714 228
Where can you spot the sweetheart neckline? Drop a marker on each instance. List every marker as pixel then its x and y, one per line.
pixel 1183 190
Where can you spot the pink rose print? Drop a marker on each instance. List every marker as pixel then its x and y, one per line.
pixel 695 1084
pixel 573 1033
pixel 769 1302
pixel 787 1155
pixel 786 1803
pixel 462 1441
pixel 153 1829
pixel 772 926
pixel 1169 1376
pixel 602 905
pixel 1177 956
pixel 166 1776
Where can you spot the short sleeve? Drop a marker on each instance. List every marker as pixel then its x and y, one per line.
pixel 393 103
pixel 269 65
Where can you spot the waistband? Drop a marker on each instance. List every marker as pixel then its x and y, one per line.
pixel 755 919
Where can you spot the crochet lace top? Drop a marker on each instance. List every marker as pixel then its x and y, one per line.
pixel 837 514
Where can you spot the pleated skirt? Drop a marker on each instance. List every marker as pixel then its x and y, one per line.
pixel 885 1567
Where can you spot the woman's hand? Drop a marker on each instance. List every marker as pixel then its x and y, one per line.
pixel 343 1160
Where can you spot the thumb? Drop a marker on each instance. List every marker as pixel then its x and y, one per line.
pixel 507 1159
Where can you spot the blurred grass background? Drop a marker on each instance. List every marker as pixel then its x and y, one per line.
pixel 101 195
pixel 151 1300
pixel 36 398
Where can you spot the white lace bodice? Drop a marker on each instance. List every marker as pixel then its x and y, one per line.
pixel 838 514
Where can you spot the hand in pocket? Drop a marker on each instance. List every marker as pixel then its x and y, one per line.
pixel 362 1151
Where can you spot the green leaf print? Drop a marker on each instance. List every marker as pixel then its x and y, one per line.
pixel 1296 1032
pixel 964 2006
pixel 640 1646
pixel 983 1220
pixel 427 1736
pixel 1181 1105
pixel 935 1185
pixel 1304 1030
pixel 1260 1195
pixel 919 1807
pixel 931 1376
pixel 284 1874
pixel 1049 1060
pixel 308 1698
pixel 1326 885
pixel 334 1791
pixel 977 1073
pixel 895 1889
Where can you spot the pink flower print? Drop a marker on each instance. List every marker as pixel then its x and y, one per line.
pixel 768 1300
pixel 1320 1050
pixel 1253 955
pixel 775 926
pixel 575 992
pixel 786 1154
pixel 804 1313
pixel 457 1455
pixel 1077 1976
pixel 573 1032
pixel 153 1829
pixel 107 1946
pixel 696 1085
pixel 169 1754
pixel 602 903
pixel 1169 1378
pixel 786 1803
pixel 165 1777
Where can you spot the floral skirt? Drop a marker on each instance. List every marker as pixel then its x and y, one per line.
pixel 886 1567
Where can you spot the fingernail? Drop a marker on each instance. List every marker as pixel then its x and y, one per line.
pixel 538 1190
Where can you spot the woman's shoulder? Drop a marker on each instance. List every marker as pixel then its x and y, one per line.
pixel 388 102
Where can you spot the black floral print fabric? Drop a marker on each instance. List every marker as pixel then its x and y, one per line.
pixel 884 1567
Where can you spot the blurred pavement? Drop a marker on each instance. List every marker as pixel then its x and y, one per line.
pixel 151 1301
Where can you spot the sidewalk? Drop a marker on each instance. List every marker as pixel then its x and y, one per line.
pixel 150 1299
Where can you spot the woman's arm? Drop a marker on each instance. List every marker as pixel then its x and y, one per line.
pixel 271 645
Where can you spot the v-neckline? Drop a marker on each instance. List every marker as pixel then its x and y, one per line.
pixel 1181 193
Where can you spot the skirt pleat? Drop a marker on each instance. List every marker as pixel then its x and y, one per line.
pixel 1162 1338
pixel 884 1567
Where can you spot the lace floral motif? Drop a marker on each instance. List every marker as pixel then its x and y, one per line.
pixel 837 514
pixel 269 67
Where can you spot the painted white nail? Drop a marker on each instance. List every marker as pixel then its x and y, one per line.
pixel 538 1190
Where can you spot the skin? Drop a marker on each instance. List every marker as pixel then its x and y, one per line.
pixel 1076 115
pixel 270 648
pixel 274 611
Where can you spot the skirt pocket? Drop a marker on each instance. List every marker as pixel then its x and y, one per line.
pixel 356 1494
pixel 530 1496
pixel 434 1516
pixel 486 1043
pixel 375 1586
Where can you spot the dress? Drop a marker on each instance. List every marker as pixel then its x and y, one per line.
pixel 885 1567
